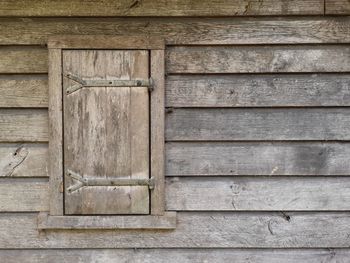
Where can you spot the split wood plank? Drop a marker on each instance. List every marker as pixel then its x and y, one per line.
pixel 194 229
pixel 187 255
pixel 258 59
pixel 236 124
pixel 180 31
pixel 160 8
pixel 264 158
pixel 270 90
pixel 337 7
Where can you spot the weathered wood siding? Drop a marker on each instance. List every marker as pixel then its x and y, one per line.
pixel 257 130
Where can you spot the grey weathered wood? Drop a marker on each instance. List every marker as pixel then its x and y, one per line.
pixel 258 124
pixel 23 160
pixel 157 132
pixel 161 8
pixel 23 195
pixel 22 91
pixel 34 31
pixel 199 230
pixel 261 194
pixel 23 125
pixel 55 132
pixel 263 59
pixel 244 158
pixel 106 132
pixel 197 194
pixel 177 255
pixel 165 221
pixel 337 7
pixel 23 60
pixel 270 90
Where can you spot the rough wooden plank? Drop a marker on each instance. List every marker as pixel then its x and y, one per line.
pixel 157 137
pixel 106 131
pixel 337 7
pixel 23 60
pixel 161 8
pixel 23 195
pixel 269 90
pixel 21 125
pixel 177 255
pixel 22 91
pixel 23 160
pixel 262 59
pixel 197 194
pixel 243 158
pixel 98 222
pixel 34 31
pixel 191 124
pixel 262 194
pixel 196 230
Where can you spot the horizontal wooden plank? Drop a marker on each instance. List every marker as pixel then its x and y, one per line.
pixel 242 158
pixel 337 7
pixel 199 230
pixel 258 90
pixel 177 255
pixel 262 59
pixel 261 194
pixel 35 31
pixel 161 8
pixel 23 60
pixel 23 160
pixel 193 124
pixel 196 194
pixel 23 195
pixel 17 125
pixel 23 91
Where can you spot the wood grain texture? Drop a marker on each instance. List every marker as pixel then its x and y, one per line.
pixel 23 195
pixel 260 194
pixel 23 91
pixel 23 160
pixel 35 31
pixel 197 230
pixel 23 60
pixel 107 131
pixel 258 124
pixel 244 158
pixel 21 125
pixel 177 255
pixel 270 90
pixel 263 59
pixel 198 194
pixel 337 7
pixel 161 8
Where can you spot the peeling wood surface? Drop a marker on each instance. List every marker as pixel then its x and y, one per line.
pixel 194 229
pixel 257 59
pixel 337 7
pixel 160 8
pixel 264 158
pixel 270 90
pixel 177 255
pixel 181 31
pixel 23 160
pixel 23 125
pixel 258 124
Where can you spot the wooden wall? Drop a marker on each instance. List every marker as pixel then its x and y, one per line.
pixel 257 130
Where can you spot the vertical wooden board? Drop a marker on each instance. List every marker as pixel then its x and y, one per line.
pixel 105 129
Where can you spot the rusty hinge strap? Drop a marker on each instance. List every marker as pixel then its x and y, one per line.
pixel 80 83
pixel 103 181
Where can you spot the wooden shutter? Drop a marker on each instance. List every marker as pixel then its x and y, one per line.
pixel 105 131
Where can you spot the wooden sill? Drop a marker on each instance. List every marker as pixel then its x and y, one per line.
pixel 166 221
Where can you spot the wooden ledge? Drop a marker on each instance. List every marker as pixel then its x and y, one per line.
pixel 166 221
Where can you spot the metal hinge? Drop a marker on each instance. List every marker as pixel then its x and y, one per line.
pixel 82 83
pixel 100 181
